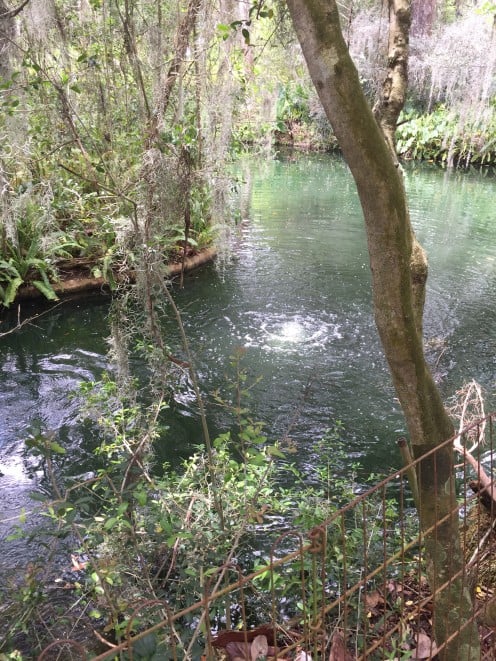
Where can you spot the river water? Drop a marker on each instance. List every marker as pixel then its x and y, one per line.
pixel 295 296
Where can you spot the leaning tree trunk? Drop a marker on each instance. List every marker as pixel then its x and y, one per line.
pixel 424 16
pixel 390 245
pixel 387 112
pixel 7 33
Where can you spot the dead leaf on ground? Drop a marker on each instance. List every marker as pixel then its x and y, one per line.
pixel 229 636
pixel 391 586
pixel 426 647
pixel 338 648
pixel 372 599
pixel 259 648
pixel 238 650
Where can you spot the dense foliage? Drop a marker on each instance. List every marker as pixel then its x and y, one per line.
pixel 118 119
pixel 118 122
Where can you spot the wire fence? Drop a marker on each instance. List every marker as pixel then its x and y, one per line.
pixel 354 587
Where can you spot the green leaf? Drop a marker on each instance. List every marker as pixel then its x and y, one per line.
pixel 274 451
pixel 141 497
pixel 258 459
pixel 46 290
pixel 11 291
pixel 224 30
pixel 16 535
pixel 122 508
pixel 110 523
pixel 246 36
pixel 40 497
pixel 146 646
pixel 56 447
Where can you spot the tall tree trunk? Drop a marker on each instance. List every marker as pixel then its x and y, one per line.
pixel 389 235
pixel 424 16
pixel 387 112
pixel 184 32
pixel 7 32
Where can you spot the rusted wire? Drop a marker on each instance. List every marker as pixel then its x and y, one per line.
pixel 148 603
pixel 335 593
pixel 208 630
pixel 275 545
pixel 63 642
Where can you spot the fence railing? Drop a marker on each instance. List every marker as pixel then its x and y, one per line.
pixel 354 587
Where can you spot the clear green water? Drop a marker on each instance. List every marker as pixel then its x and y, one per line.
pixel 296 296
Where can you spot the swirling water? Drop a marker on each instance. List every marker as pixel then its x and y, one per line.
pixel 296 298
pixel 40 369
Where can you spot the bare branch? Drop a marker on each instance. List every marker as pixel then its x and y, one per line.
pixel 29 320
pixel 12 13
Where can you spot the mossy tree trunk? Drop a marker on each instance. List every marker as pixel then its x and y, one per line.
pixel 387 112
pixel 7 33
pixel 424 16
pixel 395 297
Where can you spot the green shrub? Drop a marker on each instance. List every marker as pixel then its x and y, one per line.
pixel 441 136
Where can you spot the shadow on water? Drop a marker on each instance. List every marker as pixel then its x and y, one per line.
pixel 296 297
pixel 40 366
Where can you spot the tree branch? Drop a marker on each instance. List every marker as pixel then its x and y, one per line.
pixel 29 320
pixel 12 13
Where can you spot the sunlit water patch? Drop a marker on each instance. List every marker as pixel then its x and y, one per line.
pixel 285 333
pixel 297 299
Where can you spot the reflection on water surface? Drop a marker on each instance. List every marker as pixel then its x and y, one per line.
pixel 296 297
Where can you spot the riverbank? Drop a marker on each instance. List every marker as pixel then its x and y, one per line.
pixel 296 301
pixel 433 137
pixel 75 276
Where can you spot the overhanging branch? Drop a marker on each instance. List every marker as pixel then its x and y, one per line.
pixel 12 13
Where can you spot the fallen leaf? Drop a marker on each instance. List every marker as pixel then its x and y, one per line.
pixel 259 648
pixel 303 656
pixel 372 599
pixel 426 648
pixel 230 636
pixel 338 648
pixel 238 650
pixel 77 564
pixel 391 586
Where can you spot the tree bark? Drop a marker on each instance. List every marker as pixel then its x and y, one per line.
pixel 7 14
pixel 7 32
pixel 424 16
pixel 185 30
pixel 387 112
pixel 390 245
pixel 395 84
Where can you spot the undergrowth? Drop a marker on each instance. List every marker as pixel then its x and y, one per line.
pixel 128 545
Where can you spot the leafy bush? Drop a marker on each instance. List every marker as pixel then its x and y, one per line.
pixel 442 137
